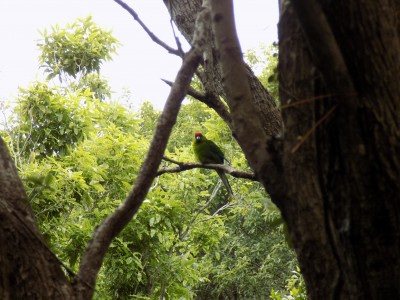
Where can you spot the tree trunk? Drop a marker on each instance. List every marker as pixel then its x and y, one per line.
pixel 29 270
pixel 343 181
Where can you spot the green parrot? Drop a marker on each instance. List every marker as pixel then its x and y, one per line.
pixel 207 152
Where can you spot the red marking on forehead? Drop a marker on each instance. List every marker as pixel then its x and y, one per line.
pixel 197 134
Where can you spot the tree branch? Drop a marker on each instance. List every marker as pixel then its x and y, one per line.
pixel 113 225
pixel 106 232
pixel 263 148
pixel 211 100
pixel 177 41
pixel 247 125
pixel 188 166
pixel 155 39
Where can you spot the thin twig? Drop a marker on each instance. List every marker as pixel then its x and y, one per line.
pixel 147 30
pixel 191 91
pixel 192 221
pixel 225 206
pixel 312 99
pixel 304 101
pixel 172 161
pixel 178 42
pixel 312 129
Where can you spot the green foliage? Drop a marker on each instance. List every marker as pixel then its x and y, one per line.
pixel 295 288
pixel 148 116
pixel 50 122
pixel 185 242
pixel 99 86
pixel 80 47
pixel 252 257
pixel 78 157
pixel 192 118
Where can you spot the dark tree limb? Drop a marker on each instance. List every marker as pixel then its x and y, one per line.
pixel 108 230
pixel 112 226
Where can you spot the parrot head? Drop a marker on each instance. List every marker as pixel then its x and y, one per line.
pixel 198 136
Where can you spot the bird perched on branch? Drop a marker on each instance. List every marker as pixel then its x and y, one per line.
pixel 207 152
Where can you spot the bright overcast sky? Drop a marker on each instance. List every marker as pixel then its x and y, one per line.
pixel 139 64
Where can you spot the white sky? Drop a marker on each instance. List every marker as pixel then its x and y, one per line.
pixel 140 63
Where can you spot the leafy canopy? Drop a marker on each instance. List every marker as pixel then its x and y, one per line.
pixel 79 48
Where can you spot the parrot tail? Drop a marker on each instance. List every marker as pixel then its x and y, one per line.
pixel 225 181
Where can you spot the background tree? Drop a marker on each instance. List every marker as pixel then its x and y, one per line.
pixel 76 50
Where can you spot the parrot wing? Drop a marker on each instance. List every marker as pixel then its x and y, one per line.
pixel 218 155
pixel 207 152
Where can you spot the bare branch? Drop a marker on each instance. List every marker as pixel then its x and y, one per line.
pixel 177 41
pixel 212 101
pixel 191 91
pixel 312 129
pixel 188 166
pixel 155 39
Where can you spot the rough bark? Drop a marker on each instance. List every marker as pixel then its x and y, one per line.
pixel 343 209
pixel 183 14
